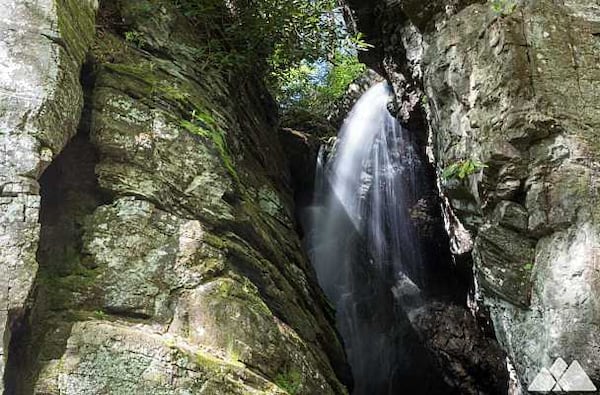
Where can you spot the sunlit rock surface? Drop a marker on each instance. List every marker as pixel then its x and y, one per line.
pixel 516 89
pixel 168 256
pixel 41 50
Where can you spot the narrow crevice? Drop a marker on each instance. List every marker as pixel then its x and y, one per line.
pixel 69 193
pixel 530 58
pixel 15 336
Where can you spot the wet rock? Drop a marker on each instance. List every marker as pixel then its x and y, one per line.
pixel 513 90
pixel 504 261
pixel 511 215
pixel 473 362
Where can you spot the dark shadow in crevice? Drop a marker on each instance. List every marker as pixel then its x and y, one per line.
pixel 69 193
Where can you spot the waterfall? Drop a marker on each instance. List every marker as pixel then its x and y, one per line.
pixel 364 246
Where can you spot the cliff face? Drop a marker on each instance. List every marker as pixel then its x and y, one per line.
pixel 41 100
pixel 165 259
pixel 148 241
pixel 513 87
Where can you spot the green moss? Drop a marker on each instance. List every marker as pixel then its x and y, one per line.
pixel 61 289
pixel 161 85
pixel 135 80
pixel 67 262
pixel 279 279
pixel 204 360
pixel 201 122
pixel 290 381
pixel 65 278
pixel 76 23
pixel 224 289
pixel 215 241
pixel 171 92
pixel 156 86
pixel 203 125
pixel 143 71
pixel 232 352
pixel 244 291
pixel 110 48
pixel 208 361
pixel 153 85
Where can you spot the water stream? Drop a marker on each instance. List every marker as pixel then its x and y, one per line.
pixel 364 246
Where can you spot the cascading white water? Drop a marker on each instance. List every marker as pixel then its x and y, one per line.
pixel 363 244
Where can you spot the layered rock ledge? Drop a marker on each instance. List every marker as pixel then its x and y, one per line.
pixel 165 259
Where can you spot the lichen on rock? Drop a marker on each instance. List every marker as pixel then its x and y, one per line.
pixel 41 52
pixel 169 258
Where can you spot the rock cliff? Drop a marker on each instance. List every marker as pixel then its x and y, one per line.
pixel 148 239
pixel 166 258
pixel 509 88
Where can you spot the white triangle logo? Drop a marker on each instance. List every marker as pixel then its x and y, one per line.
pixel 558 368
pixel 543 382
pixel 559 378
pixel 575 379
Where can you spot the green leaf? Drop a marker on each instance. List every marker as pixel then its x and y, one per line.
pixel 462 169
pixel 450 171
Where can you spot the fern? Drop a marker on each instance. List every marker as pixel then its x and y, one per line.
pixel 462 169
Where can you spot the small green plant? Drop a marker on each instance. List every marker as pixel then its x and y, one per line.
pixel 462 169
pixel 528 266
pixel 425 103
pixel 99 314
pixel 232 352
pixel 503 7
pixel 291 381
pixel 134 38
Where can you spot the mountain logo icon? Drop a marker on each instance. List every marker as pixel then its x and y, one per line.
pixel 562 378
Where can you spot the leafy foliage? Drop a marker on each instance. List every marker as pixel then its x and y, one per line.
pixel 133 37
pixel 291 382
pixel 315 88
pixel 503 7
pixel 462 169
pixel 302 46
pixel 283 31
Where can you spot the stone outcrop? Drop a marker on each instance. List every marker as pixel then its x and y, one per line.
pixel 167 252
pixel 511 90
pixel 148 241
pixel 42 46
